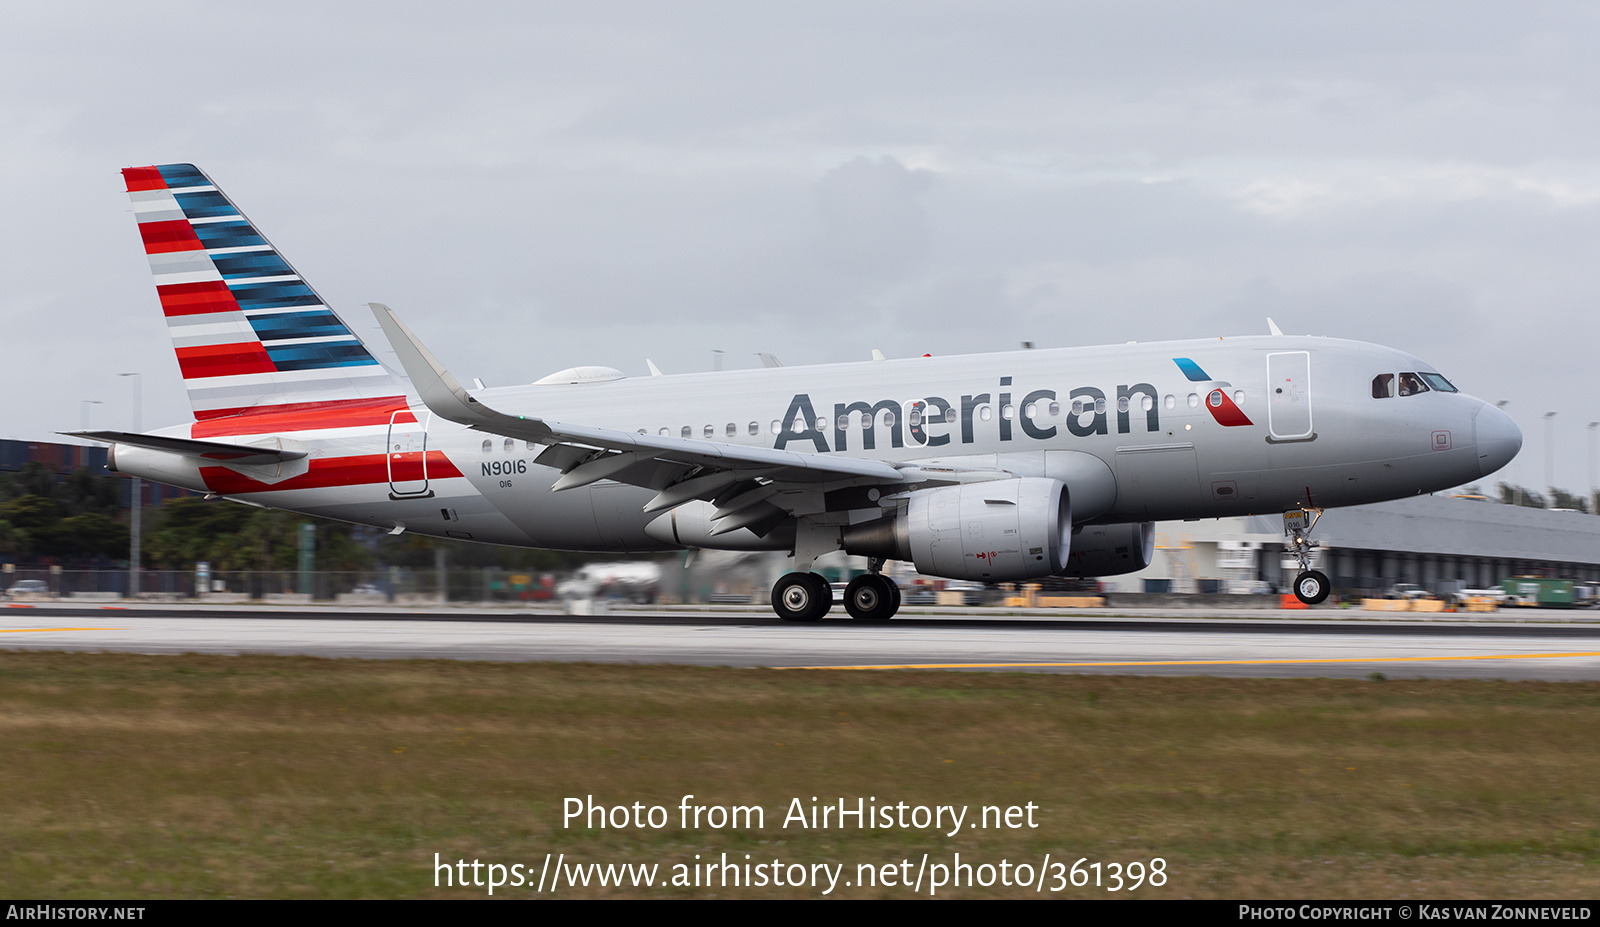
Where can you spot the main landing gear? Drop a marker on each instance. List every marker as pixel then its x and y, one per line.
pixel 1310 586
pixel 802 596
pixel 807 596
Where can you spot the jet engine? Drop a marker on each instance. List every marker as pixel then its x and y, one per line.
pixel 999 531
pixel 1109 550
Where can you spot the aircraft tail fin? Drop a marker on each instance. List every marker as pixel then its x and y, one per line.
pixel 250 333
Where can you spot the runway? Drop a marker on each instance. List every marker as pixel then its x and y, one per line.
pixel 1093 644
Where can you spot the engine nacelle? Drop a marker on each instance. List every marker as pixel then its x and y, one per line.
pixel 999 531
pixel 1109 550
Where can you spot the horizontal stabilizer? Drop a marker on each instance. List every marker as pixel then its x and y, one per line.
pixel 242 454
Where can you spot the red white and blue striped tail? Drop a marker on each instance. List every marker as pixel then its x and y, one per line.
pixel 251 335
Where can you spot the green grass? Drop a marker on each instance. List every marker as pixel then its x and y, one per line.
pixel 207 776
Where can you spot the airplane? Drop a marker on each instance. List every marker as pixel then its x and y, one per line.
pixel 1001 467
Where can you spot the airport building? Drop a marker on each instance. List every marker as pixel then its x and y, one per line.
pixel 1427 540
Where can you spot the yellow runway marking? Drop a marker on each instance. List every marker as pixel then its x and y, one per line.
pixel 1490 656
pixel 38 630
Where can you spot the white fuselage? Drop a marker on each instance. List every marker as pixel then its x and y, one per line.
pixel 1166 430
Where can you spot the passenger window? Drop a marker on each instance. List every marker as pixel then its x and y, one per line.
pixel 709 431
pixel 1194 400
pixel 1055 409
pixel 1383 386
pixel 733 430
pixel 665 432
pixel 755 429
pixel 511 446
pixel 1169 403
pixel 488 445
pixel 1411 384
pixel 687 431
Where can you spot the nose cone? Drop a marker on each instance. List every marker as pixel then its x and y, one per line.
pixel 1499 438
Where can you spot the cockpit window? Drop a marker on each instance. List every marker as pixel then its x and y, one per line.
pixel 1437 382
pixel 1411 384
pixel 1383 386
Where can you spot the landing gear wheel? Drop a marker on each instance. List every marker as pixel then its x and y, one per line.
pixel 801 597
pixel 1311 587
pixel 872 598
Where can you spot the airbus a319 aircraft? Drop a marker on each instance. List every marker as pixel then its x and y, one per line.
pixel 993 467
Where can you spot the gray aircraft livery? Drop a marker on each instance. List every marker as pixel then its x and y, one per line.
pixel 991 467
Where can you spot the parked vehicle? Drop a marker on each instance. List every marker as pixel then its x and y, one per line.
pixel 1539 591
pixel 28 587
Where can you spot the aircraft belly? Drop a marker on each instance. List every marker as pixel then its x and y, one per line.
pixel 604 516
pixel 1158 482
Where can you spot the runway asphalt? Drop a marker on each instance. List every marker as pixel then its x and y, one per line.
pixel 1542 645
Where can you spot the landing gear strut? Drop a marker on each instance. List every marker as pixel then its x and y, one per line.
pixel 1310 586
pixel 802 597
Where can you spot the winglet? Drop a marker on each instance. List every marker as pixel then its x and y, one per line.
pixel 1273 326
pixel 769 360
pixel 654 370
pixel 441 392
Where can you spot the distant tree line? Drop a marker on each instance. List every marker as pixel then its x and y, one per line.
pixel 79 522
pixel 1512 494
pixel 74 521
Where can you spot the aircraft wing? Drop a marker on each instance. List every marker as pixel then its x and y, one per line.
pixel 750 485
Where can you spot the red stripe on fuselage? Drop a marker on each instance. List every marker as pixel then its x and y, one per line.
pixel 359 470
pixel 301 416
pixel 196 298
pixel 163 237
pixel 224 360
pixel 143 178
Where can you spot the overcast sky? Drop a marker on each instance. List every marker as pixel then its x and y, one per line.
pixel 537 185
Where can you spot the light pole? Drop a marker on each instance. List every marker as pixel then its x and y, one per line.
pixel 134 552
pixel 84 407
pixel 1550 454
pixel 1594 503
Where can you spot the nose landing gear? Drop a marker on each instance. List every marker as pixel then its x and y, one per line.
pixel 1310 586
